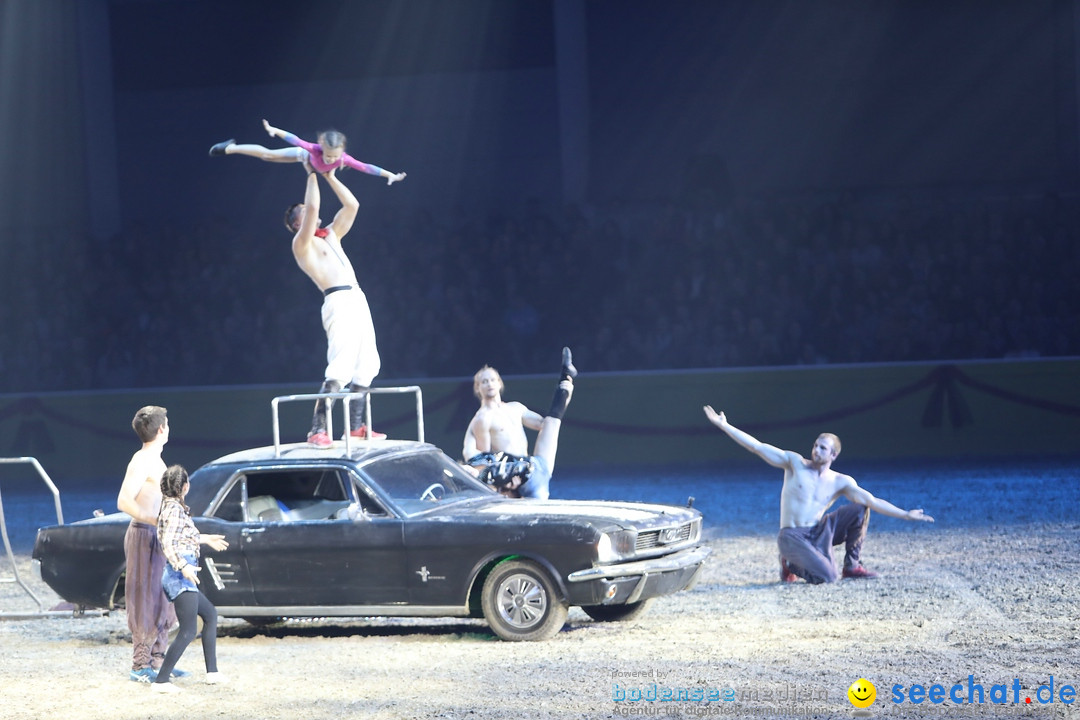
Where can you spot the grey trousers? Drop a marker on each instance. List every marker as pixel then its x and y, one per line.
pixel 808 551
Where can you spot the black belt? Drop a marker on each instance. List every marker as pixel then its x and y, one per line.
pixel 334 289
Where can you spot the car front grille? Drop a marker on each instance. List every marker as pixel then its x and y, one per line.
pixel 664 536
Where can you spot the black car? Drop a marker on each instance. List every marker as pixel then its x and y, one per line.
pixel 395 528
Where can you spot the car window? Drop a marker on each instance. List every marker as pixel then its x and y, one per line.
pixel 290 495
pixel 420 481
pixel 231 506
pixel 368 503
pixel 295 494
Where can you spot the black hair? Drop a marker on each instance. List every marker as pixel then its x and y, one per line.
pixel 290 216
pixel 147 421
pixel 172 482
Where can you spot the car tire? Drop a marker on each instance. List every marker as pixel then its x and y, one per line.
pixel 520 602
pixel 617 613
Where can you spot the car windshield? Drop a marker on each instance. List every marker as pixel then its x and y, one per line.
pixel 421 481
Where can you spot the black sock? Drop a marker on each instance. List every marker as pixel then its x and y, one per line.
pixel 323 406
pixel 558 403
pixel 357 406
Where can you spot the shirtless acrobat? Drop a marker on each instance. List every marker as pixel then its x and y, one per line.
pixel 149 612
pixel 807 534
pixel 497 430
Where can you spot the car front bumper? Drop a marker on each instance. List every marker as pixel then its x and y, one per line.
pixel 623 583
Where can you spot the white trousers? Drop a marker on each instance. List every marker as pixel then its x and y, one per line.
pixel 351 353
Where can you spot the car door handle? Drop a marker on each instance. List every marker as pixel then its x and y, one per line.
pixel 251 531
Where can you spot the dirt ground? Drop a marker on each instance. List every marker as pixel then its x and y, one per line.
pixel 999 604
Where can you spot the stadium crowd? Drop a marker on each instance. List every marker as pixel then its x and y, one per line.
pixel 630 286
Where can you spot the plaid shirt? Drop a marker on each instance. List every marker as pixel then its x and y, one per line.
pixel 176 532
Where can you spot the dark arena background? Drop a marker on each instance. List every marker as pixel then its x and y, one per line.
pixel 658 185
pixel 815 215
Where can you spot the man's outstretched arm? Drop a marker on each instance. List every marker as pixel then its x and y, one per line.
pixel 345 217
pixel 306 232
pixel 858 495
pixel 770 454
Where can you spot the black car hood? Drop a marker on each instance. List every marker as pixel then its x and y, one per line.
pixel 602 514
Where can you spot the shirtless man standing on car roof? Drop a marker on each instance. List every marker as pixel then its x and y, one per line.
pixel 352 357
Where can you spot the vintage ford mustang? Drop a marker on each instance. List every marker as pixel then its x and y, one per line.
pixel 395 528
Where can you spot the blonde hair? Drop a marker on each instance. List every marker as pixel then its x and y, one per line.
pixel 476 380
pixel 835 441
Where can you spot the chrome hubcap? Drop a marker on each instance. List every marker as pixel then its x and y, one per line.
pixel 522 601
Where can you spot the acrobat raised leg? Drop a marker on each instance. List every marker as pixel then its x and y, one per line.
pixel 547 439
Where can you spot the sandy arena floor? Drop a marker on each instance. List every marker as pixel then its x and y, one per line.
pixel 998 603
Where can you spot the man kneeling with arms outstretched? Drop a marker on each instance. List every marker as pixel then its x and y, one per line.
pixel 807 534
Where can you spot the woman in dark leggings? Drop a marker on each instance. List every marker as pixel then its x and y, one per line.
pixel 180 541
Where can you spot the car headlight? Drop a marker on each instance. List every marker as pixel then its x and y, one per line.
pixel 615 546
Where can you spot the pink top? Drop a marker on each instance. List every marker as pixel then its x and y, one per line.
pixel 319 165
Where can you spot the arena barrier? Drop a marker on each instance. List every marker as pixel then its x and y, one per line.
pixel 41 611
pixel 883 411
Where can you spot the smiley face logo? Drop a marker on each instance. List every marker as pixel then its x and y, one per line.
pixel 862 693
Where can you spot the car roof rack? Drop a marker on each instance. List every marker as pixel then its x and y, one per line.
pixel 346 398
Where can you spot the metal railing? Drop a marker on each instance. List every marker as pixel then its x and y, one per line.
pixel 347 398
pixel 41 612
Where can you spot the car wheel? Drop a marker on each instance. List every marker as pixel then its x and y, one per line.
pixel 617 613
pixel 520 602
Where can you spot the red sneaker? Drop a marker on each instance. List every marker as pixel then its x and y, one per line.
pixel 859 573
pixel 785 572
pixel 362 433
pixel 320 440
